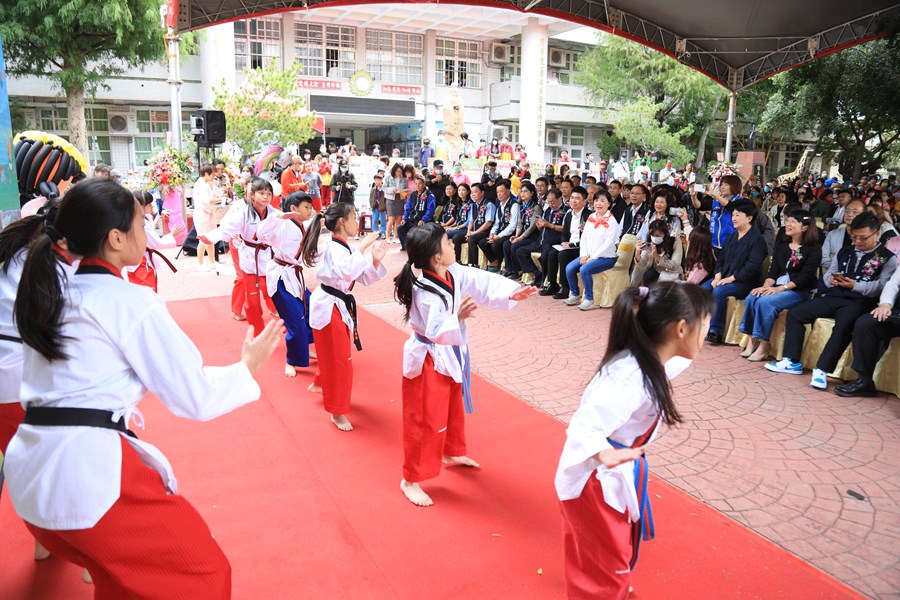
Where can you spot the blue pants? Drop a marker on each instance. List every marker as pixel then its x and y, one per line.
pixel 379 215
pixel 760 312
pixel 510 253
pixel 296 321
pixel 587 272
pixel 720 295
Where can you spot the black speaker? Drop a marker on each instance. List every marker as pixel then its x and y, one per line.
pixel 213 127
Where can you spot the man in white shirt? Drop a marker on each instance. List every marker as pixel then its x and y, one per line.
pixel 667 174
pixel 621 170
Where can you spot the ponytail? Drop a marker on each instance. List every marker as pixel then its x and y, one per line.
pixel 331 216
pixel 88 212
pixel 639 324
pixel 422 244
pixel 18 235
pixel 39 301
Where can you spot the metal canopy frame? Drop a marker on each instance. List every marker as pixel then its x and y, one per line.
pixel 742 54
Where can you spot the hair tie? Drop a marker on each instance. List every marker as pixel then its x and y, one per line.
pixel 51 231
pixel 642 293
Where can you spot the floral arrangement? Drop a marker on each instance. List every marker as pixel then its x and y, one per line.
pixel 871 267
pixel 717 171
pixel 169 168
pixel 796 257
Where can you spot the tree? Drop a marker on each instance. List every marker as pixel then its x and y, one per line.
pixel 265 110
pixel 849 100
pixel 78 44
pixel 627 78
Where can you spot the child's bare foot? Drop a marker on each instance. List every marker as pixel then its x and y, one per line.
pixel 315 389
pixel 415 494
pixel 463 461
pixel 312 355
pixel 40 553
pixel 290 371
pixel 341 422
pixel 86 577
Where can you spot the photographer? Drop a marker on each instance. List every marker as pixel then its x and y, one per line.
pixel 343 185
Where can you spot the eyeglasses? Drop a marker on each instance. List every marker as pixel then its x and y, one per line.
pixel 862 238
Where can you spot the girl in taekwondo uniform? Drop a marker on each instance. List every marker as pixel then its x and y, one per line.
pixel 14 242
pixel 602 476
pixel 90 491
pixel 243 221
pixel 436 356
pixel 284 276
pixel 146 273
pixel 332 308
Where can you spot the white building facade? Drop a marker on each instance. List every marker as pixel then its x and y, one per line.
pixel 378 74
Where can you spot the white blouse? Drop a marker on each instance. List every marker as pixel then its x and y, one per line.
pixel 122 342
pixel 285 236
pixel 239 220
pixel 615 405
pixel 340 268
pixel 154 242
pixel 10 352
pixel 600 237
pixel 432 320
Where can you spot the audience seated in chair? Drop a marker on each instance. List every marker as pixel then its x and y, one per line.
pixel 597 251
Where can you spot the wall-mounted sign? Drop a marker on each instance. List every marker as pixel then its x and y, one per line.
pixel 405 90
pixel 318 84
pixel 361 83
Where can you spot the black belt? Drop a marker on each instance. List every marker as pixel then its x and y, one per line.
pixel 79 417
pixel 10 338
pixel 350 302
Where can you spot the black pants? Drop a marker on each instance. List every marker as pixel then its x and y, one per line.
pixel 844 311
pixel 559 260
pixel 492 250
pixel 522 251
pixel 404 230
pixel 460 239
pixel 869 334
pixel 548 266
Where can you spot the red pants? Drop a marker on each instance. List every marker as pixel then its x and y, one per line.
pixel 434 422
pixel 317 204
pixel 335 372
pixel 144 275
pixel 149 545
pixel 256 287
pixel 11 415
pixel 597 545
pixel 326 196
pixel 238 294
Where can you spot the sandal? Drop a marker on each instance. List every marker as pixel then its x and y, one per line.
pixel 238 317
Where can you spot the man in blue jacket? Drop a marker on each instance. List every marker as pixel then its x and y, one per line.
pixel 419 210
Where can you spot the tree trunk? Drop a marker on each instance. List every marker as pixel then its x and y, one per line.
pixel 857 160
pixel 701 148
pixel 77 129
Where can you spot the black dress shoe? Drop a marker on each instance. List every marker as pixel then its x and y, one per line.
pixel 549 290
pixel 714 339
pixel 514 275
pixel 860 387
pixel 562 294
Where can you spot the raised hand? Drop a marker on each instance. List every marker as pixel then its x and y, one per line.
pixel 523 293
pixel 257 350
pixel 614 457
pixel 178 230
pixel 379 250
pixel 467 308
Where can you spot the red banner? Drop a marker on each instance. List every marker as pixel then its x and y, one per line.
pixel 404 90
pixel 318 84
pixel 172 14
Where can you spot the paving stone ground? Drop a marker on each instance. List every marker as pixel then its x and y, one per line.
pixel 765 449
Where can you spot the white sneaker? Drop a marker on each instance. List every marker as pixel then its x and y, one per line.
pixel 587 305
pixel 785 365
pixel 203 268
pixel 819 379
pixel 572 300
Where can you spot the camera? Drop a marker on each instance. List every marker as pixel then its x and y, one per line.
pixel 676 212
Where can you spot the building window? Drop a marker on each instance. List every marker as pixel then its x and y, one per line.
pixel 325 50
pixel 514 69
pixel 565 74
pixel 55 119
pixel 395 57
pixel 257 43
pixel 458 62
pixel 572 140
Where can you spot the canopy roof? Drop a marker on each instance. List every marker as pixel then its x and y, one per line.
pixel 735 42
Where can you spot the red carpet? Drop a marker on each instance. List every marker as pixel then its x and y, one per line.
pixel 305 511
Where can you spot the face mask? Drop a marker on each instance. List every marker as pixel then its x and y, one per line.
pixel 344 169
pixel 440 138
pixel 457 170
pixel 754 194
pixel 657 239
pixel 438 171
pixel 245 176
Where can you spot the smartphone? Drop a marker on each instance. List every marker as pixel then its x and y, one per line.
pixel 699 187
pixel 676 212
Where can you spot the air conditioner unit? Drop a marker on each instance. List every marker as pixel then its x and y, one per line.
pixel 557 58
pixel 122 123
pixel 498 132
pixel 554 137
pixel 501 54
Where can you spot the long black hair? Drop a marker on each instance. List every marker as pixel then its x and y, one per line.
pixel 18 235
pixel 639 325
pixel 88 212
pixel 667 247
pixel 422 244
pixel 338 210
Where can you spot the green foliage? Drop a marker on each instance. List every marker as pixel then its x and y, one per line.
pixel 848 99
pixel 643 86
pixel 266 110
